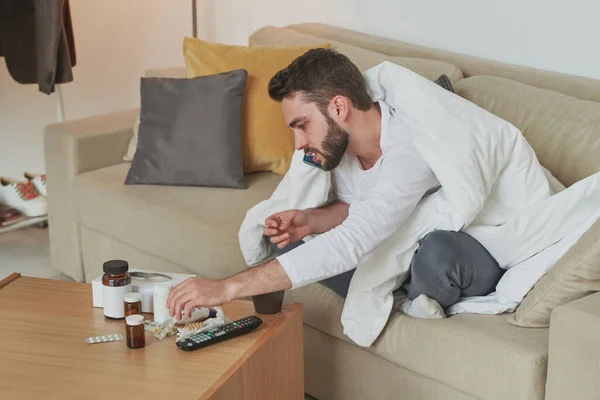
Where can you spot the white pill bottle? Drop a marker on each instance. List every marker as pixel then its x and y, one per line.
pixel 161 294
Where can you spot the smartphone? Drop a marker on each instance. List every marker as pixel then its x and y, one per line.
pixel 308 159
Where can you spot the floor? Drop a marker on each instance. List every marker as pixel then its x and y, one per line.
pixel 27 251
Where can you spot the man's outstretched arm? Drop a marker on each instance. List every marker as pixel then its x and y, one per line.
pixel 201 292
pixel 267 278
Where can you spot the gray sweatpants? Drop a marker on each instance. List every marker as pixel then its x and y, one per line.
pixel 446 265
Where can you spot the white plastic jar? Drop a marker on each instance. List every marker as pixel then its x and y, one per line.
pixel 161 294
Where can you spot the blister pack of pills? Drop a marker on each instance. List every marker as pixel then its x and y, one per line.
pixel 104 338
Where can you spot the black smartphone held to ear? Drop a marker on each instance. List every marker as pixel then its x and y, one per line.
pixel 308 159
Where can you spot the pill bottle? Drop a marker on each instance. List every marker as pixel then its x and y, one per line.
pixel 136 338
pixel 161 294
pixel 132 303
pixel 115 283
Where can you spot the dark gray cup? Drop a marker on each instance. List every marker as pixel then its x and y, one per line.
pixel 268 303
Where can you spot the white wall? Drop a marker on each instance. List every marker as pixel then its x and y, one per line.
pixel 116 40
pixel 549 34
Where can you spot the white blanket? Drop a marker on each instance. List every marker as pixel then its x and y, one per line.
pixel 493 188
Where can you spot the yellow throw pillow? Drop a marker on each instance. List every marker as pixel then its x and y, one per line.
pixel 267 141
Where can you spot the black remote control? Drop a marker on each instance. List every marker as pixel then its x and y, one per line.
pixel 216 335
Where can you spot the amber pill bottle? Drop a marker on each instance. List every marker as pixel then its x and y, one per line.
pixel 132 303
pixel 136 338
pixel 116 282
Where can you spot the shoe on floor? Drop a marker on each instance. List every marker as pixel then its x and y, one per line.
pixel 23 197
pixel 8 215
pixel 39 182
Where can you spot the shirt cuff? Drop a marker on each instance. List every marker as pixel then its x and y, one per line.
pixel 289 264
pixel 311 262
pixel 297 269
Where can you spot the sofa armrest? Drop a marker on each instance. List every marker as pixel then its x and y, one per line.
pixel 71 148
pixel 82 145
pixel 573 365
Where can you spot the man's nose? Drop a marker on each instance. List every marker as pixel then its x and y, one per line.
pixel 300 141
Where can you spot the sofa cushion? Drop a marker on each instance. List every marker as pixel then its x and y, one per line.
pixel 445 82
pixel 364 59
pixel 171 72
pixel 481 355
pixel 193 227
pixel 267 143
pixel 190 131
pixel 575 275
pixel 551 122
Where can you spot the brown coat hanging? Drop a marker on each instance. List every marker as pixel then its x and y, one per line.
pixel 36 40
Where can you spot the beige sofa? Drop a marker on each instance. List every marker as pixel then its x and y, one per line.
pixel 94 217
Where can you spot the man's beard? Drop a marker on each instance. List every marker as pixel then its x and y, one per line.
pixel 334 145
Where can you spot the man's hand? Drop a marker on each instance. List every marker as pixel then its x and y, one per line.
pixel 288 227
pixel 198 292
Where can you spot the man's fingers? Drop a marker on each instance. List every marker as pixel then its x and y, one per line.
pixel 176 291
pixel 189 306
pixel 286 219
pixel 273 221
pixel 283 244
pixel 272 232
pixel 180 304
pixel 173 303
pixel 280 238
pixel 179 290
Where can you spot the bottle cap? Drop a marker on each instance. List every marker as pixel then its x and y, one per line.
pixel 132 297
pixel 163 289
pixel 134 320
pixel 115 267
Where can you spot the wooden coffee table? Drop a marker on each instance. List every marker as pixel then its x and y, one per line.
pixel 43 353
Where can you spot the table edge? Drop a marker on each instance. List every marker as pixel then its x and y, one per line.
pixel 12 277
pixel 215 386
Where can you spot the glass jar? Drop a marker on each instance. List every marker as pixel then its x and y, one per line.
pixel 116 281
pixel 132 303
pixel 136 337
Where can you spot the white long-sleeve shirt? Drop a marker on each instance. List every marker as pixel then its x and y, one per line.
pixel 381 199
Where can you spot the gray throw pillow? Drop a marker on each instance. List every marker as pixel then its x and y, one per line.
pixel 190 131
pixel 445 82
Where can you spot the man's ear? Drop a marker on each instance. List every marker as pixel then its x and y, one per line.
pixel 339 108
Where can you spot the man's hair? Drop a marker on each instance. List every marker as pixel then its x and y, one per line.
pixel 320 74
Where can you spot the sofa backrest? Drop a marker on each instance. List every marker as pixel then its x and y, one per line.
pixel 363 58
pixel 171 72
pixel 563 130
pixel 579 87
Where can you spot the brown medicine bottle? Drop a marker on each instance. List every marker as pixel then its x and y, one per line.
pixel 136 338
pixel 132 303
pixel 116 281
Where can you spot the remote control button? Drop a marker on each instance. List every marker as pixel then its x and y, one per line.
pixel 190 344
pixel 220 333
